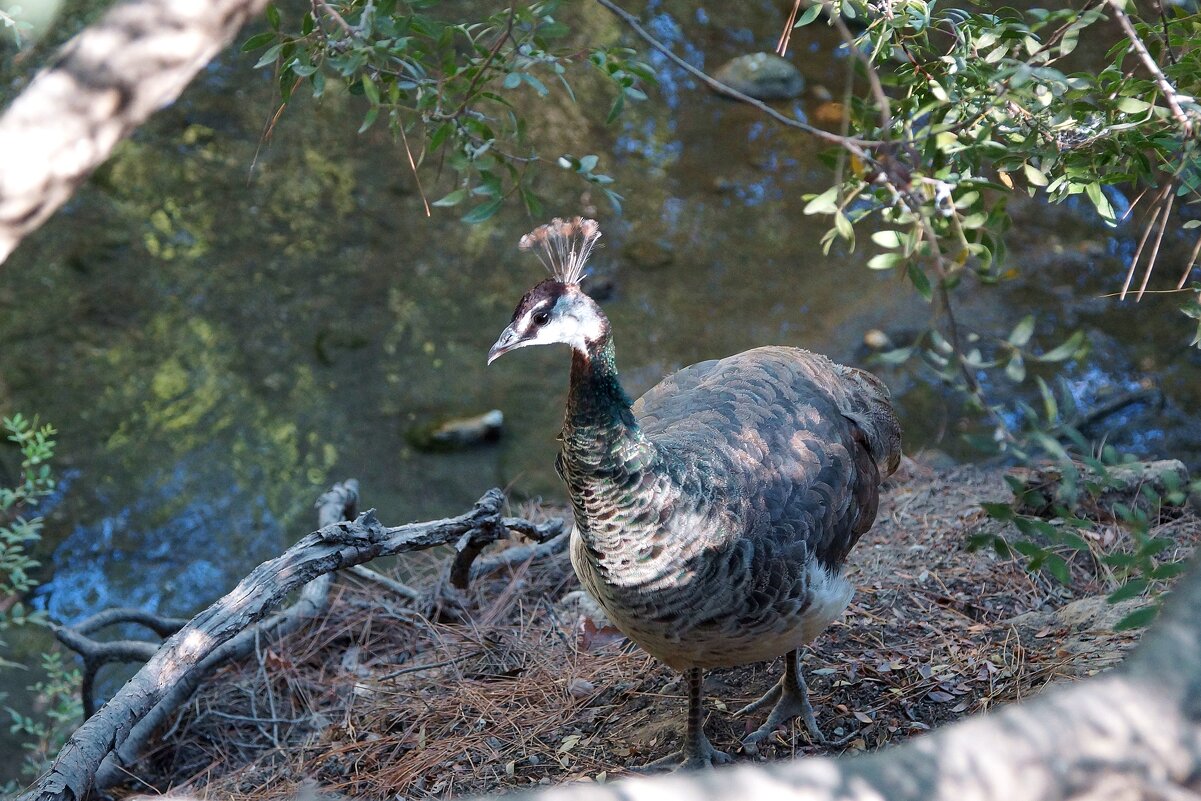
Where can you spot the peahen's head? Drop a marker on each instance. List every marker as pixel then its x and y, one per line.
pixel 557 310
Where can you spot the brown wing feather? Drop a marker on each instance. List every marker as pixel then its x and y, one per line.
pixel 791 443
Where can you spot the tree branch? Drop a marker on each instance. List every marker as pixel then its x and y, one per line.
pixel 228 627
pixel 104 83
pixel 162 626
pixel 853 144
pixel 1170 95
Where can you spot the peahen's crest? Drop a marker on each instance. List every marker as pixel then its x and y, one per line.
pixel 563 246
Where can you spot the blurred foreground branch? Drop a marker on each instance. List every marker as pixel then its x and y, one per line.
pixel 105 82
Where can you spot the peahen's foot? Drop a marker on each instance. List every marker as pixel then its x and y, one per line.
pixel 698 754
pixel 791 699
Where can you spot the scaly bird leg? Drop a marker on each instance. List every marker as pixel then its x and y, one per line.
pixel 791 698
pixel 697 752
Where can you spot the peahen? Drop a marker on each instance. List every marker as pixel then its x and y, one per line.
pixel 714 514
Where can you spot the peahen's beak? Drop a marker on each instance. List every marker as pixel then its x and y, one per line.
pixel 508 340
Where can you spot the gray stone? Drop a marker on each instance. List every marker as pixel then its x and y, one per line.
pixel 764 76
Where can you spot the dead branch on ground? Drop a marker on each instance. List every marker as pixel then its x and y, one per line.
pixel 99 751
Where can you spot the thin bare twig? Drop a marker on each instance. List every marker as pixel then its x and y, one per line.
pixel 786 34
pixel 1170 95
pixel 853 144
pixel 333 14
pixel 398 587
pixel 1188 266
pixel 1163 226
pixel 413 166
pixel 1138 252
pixel 162 626
pixel 873 77
pixel 479 75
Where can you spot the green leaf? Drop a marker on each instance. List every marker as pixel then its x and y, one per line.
pixel 810 14
pixel 1034 552
pixel 1050 406
pixel 1057 567
pixel 890 240
pixel 532 204
pixel 483 211
pixel 978 541
pixel 615 109
pixel 885 261
pixel 453 199
pixel 369 118
pixel 998 511
pixel 1168 570
pixel 1100 202
pixel 270 56
pixel 1131 589
pixel 273 17
pixel 370 90
pixel 843 226
pixel 541 89
pixel 1022 331
pixel 257 41
pixel 1132 105
pixel 897 356
pixel 1064 351
pixel 1015 368
pixel 1155 545
pixel 1138 618
pixel 1034 175
pixel 920 282
pixel 825 203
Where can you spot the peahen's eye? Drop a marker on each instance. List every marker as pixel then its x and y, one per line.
pixel 541 318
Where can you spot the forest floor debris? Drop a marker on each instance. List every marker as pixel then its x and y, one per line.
pixel 522 687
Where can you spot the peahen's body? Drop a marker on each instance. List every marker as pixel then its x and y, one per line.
pixel 713 516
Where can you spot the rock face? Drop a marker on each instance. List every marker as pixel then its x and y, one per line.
pixel 764 76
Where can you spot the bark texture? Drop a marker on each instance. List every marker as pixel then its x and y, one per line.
pixel 175 668
pixel 103 84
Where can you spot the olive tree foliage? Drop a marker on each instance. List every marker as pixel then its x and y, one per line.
pixel 448 89
pixel 952 111
pixel 972 106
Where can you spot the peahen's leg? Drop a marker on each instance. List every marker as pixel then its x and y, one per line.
pixel 791 699
pixel 697 751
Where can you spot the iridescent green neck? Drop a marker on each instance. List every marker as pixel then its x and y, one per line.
pixel 599 421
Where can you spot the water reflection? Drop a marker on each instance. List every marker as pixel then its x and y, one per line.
pixel 168 549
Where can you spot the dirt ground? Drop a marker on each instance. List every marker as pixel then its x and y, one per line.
pixel 378 701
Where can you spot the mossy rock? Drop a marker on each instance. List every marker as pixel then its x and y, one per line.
pixel 764 76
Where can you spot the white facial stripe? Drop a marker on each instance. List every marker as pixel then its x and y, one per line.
pixel 571 323
pixel 527 319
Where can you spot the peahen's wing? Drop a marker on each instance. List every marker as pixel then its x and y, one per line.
pixel 792 442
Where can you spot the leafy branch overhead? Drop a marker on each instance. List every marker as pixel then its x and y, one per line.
pixel 455 94
pixel 976 106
